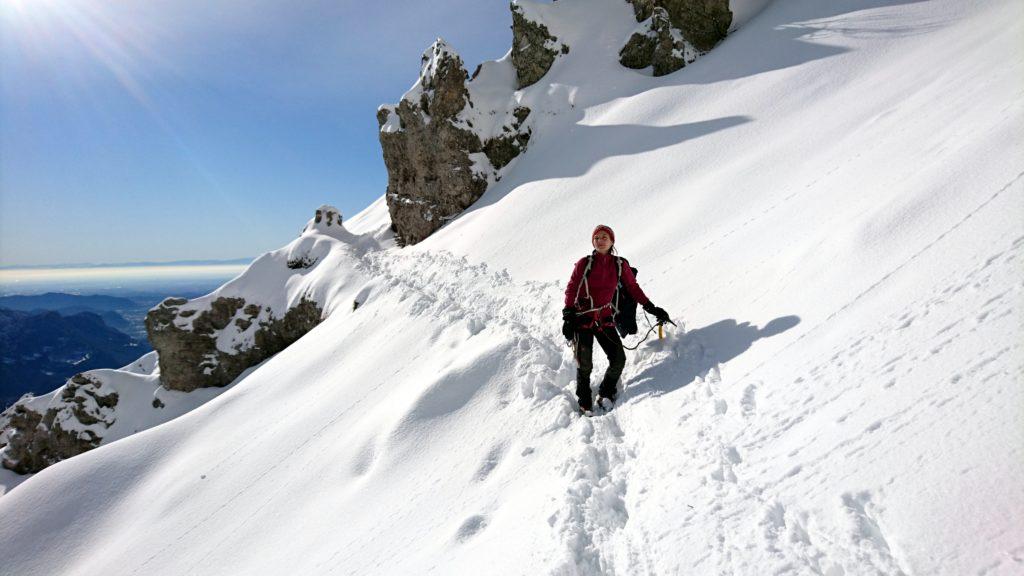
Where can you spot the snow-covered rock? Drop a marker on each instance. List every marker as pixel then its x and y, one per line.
pixel 73 424
pixel 534 47
pixel 442 147
pixel 92 408
pixel 209 341
pixel 452 135
pixel 702 23
pixel 658 44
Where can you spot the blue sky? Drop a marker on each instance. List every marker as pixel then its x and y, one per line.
pixel 156 130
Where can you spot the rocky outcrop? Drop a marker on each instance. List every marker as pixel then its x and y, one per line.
pixel 431 174
pixel 674 33
pixel 440 149
pixel 202 345
pixel 452 135
pixel 187 342
pixel 71 425
pixel 210 341
pixel 703 23
pixel 501 150
pixel 534 48
pixel 658 44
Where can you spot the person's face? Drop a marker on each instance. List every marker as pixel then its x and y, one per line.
pixel 602 242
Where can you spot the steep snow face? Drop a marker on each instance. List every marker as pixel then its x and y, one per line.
pixel 828 203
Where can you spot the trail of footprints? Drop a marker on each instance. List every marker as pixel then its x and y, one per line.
pixel 591 519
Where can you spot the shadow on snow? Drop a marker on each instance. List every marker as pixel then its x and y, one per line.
pixel 700 350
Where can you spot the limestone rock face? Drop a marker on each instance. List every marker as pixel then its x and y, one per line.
pixel 703 23
pixel 71 424
pixel 440 149
pixel 431 177
pixel 187 341
pixel 534 48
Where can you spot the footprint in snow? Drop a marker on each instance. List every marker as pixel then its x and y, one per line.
pixel 490 463
pixel 470 527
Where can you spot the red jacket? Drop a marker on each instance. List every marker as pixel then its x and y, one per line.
pixel 601 282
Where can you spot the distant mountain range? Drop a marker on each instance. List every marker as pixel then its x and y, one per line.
pixel 40 349
pixel 123 314
pixel 58 301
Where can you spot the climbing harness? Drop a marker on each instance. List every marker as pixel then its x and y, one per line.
pixel 614 305
pixel 585 285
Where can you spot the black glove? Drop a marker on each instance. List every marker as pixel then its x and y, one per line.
pixel 568 323
pixel 658 313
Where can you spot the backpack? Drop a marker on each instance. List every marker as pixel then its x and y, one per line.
pixel 625 319
pixel 623 303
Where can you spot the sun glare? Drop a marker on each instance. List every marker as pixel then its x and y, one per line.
pixel 54 31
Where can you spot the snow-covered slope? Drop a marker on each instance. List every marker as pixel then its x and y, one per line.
pixel 830 202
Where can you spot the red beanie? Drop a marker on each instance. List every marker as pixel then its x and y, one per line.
pixel 603 228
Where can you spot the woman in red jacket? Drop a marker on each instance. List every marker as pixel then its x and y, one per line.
pixel 589 314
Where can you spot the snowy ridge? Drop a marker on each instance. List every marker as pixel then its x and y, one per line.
pixel 279 279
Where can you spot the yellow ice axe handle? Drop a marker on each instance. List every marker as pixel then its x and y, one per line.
pixel 661 332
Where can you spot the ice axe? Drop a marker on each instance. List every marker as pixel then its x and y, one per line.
pixel 661 329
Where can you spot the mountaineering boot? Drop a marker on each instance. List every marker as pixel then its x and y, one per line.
pixel 606 404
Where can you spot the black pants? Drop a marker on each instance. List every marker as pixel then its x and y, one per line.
pixel 609 340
